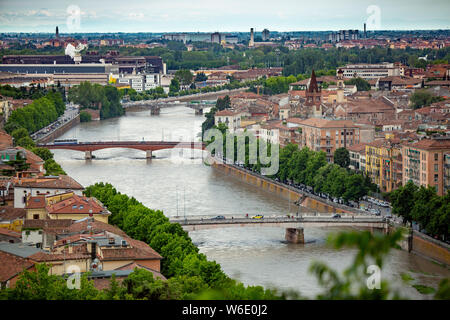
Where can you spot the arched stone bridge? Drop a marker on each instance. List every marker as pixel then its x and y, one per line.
pixel 148 146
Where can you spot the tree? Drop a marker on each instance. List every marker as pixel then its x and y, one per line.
pixel 402 201
pixel 200 77
pixel 223 103
pixel 174 85
pixel 361 84
pixel 184 76
pixel 352 283
pixel 85 117
pixel 53 168
pixel 342 157
pixel 41 285
pixel 423 98
pixel 19 134
pixel 43 153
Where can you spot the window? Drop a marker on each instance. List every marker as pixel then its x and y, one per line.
pixel 436 156
pixel 436 178
pixel 436 167
pixel 35 216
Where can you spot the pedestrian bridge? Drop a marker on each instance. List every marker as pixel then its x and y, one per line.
pixel 325 221
pixel 148 146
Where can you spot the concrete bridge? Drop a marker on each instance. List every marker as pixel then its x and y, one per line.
pixel 294 225
pixel 147 146
pixel 155 106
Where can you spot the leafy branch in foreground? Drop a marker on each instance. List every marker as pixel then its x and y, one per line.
pixel 352 283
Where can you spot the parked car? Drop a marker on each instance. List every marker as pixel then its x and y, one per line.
pixel 258 216
pixel 218 218
pixel 336 216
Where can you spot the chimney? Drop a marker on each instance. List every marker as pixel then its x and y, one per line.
pixel 252 40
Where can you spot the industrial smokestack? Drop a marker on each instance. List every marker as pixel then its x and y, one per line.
pixel 365 33
pixel 252 39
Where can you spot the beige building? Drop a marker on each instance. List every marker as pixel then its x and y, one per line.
pixel 230 118
pixel 326 135
pixel 424 163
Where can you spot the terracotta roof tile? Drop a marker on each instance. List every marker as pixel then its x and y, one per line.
pixel 7 232
pixel 61 182
pixel 11 265
pixel 11 213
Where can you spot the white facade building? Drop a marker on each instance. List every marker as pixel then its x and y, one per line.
pixel 370 71
pixel 231 119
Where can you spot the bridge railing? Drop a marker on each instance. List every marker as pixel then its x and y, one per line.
pixel 308 219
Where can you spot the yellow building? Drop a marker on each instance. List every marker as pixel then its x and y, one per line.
pixel 65 206
pixel 373 161
pixel 384 163
pixel 12 218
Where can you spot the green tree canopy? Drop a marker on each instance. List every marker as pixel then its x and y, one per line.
pixel 342 157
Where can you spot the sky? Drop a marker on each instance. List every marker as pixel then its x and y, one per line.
pixel 223 16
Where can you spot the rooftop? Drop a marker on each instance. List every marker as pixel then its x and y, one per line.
pixel 12 265
pixel 323 123
pixel 19 249
pixel 8 213
pixel 60 182
pixel 433 144
pixel 77 205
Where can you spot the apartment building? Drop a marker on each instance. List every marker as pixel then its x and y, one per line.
pixel 230 118
pixel 326 135
pixel 357 155
pixel 426 163
pixel 384 163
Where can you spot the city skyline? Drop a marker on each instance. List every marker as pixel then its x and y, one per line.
pixel 233 16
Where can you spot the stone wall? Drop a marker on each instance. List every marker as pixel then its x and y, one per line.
pixel 431 248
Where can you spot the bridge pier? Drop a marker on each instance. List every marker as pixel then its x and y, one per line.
pixel 295 235
pixel 148 154
pixel 88 155
pixel 155 110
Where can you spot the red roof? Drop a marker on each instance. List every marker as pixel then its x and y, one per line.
pixel 12 265
pixel 225 113
pixel 77 205
pixel 433 144
pixel 7 232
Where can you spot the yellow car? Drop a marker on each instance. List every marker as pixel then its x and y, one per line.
pixel 259 216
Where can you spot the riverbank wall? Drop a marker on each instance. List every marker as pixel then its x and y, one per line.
pixel 279 189
pixel 60 131
pixel 428 247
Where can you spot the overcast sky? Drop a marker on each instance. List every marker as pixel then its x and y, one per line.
pixel 223 15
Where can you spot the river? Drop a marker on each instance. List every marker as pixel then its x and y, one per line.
pixel 178 183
